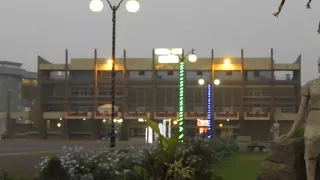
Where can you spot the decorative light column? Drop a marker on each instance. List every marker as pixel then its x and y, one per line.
pixel 181 101
pixel 168 56
pixel 192 58
pixel 210 105
pixel 97 6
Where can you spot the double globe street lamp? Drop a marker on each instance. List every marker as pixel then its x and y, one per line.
pixel 210 105
pixel 97 6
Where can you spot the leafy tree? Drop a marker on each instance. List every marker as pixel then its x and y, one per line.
pixel 282 4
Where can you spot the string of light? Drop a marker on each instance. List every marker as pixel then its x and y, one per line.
pixel 209 109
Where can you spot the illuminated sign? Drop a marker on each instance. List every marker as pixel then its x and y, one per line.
pixel 168 59
pixel 166 51
pixel 202 123
pixel 168 55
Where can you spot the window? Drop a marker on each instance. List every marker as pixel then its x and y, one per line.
pixel 199 73
pixel 141 73
pixel 103 93
pixel 170 73
pixel 229 73
pixel 74 93
pixel 256 73
pixel 257 93
pixel 26 81
pixel 288 109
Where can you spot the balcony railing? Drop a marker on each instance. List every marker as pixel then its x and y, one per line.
pixel 257 116
pixel 106 115
pixel 226 115
pixel 137 115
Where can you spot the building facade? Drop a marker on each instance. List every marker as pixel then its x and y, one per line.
pixel 17 91
pixel 20 83
pixel 252 94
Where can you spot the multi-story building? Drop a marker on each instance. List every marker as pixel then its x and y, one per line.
pixel 17 88
pixel 250 97
pixel 20 83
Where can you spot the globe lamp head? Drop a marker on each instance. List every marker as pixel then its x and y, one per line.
pixel 133 6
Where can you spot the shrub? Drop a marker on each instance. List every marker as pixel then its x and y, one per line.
pixel 53 170
pixel 167 159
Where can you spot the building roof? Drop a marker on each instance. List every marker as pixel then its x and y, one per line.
pixel 10 63
pixel 14 69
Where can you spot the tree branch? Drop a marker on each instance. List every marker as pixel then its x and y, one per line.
pixel 309 4
pixel 279 8
pixel 282 4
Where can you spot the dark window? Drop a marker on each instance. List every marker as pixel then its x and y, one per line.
pixel 199 73
pixel 257 93
pixel 229 73
pixel 256 73
pixel 141 73
pixel 170 73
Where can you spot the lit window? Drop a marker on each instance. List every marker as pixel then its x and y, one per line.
pixel 229 73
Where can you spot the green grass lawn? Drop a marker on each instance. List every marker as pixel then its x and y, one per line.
pixel 242 166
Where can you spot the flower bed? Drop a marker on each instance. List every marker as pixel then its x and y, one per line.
pixel 166 160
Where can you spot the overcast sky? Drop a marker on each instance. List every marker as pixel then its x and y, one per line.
pixel 46 27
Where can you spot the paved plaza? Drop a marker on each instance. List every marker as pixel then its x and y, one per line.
pixel 22 155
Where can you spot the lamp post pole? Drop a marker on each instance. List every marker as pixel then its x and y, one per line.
pixel 210 105
pixel 97 6
pixel 192 58
pixel 181 97
pixel 113 72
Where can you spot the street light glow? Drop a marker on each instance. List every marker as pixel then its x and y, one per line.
pixel 96 5
pixel 58 125
pixel 110 61
pixel 216 81
pixel 227 61
pixel 192 58
pixel 201 81
pixel 133 6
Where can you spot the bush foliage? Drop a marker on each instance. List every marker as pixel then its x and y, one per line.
pixel 167 159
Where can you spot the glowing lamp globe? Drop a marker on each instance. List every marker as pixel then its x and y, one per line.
pixel 192 58
pixel 133 6
pixel 201 81
pixel 96 5
pixel 216 81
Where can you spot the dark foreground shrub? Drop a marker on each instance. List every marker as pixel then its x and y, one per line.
pixel 167 159
pixel 53 170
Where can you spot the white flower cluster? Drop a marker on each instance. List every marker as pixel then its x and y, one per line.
pixel 80 164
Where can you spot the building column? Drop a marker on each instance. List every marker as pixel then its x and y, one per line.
pixel 272 104
pixel 95 124
pixel 124 131
pixel 9 123
pixel 242 103
pixel 66 98
pixel 42 123
pixel 154 89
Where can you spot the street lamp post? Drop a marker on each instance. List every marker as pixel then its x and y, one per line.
pixel 176 55
pixel 97 6
pixel 192 58
pixel 210 105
